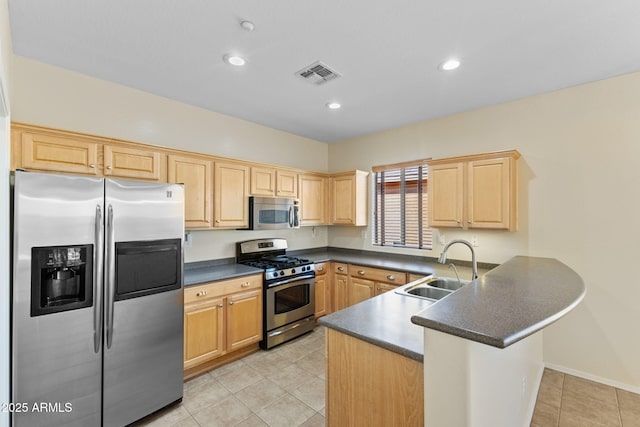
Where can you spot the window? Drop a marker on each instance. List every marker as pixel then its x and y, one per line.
pixel 400 212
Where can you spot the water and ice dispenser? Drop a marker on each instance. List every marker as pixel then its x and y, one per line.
pixel 61 278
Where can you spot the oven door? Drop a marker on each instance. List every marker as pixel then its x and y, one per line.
pixel 289 302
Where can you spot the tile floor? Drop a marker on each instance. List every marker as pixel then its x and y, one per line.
pixel 284 387
pixel 568 401
pixel 280 387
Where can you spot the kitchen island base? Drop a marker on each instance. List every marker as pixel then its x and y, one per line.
pixel 469 384
pixel 368 385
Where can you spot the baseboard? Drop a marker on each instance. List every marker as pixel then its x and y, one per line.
pixel 590 377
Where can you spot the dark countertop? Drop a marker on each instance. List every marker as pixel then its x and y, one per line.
pixel 197 273
pixel 509 303
pixel 385 321
pixel 209 271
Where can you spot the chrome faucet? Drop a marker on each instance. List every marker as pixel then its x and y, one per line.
pixel 474 265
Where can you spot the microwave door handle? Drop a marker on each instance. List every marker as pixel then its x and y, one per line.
pixel 290 216
pixel 98 280
pixel 110 265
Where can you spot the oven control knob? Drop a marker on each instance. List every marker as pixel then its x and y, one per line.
pixel 293 271
pixel 282 273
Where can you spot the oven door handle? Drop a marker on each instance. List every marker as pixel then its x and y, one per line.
pixel 293 279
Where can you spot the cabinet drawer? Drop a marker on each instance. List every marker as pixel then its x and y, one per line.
pixel 321 268
pixel 378 274
pixel 340 268
pixel 216 289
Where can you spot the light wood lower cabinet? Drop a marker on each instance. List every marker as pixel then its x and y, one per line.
pixel 367 282
pixel 340 282
pixel 322 290
pixel 368 385
pixel 221 318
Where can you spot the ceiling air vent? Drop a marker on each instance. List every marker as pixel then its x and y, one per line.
pixel 318 73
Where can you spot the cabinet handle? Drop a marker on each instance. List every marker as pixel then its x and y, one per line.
pixel 201 293
pixel 231 302
pixel 217 221
pixel 340 268
pixel 361 272
pixel 469 221
pixel 320 269
pixel 220 305
pixel 245 285
pixel 109 167
pixel 391 277
pixel 92 165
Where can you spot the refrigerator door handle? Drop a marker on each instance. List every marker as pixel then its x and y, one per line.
pixel 110 265
pixel 98 281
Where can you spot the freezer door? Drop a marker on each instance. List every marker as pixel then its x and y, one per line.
pixel 56 354
pixel 143 343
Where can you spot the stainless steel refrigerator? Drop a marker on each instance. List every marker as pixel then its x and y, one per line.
pixel 97 290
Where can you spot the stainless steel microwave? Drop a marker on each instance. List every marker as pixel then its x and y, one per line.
pixel 273 213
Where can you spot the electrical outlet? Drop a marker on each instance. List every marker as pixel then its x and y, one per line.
pixel 474 241
pixel 187 239
pixel 441 239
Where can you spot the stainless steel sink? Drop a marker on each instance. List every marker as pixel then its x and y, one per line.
pixel 432 288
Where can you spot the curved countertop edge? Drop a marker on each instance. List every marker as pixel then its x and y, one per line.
pixel 511 302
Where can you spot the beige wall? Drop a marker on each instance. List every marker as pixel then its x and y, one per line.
pixel 50 96
pixel 5 80
pixel 579 171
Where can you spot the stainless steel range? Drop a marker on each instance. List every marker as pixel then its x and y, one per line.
pixel 289 289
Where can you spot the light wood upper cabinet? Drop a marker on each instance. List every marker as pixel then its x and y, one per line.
pixel 197 176
pixel 286 184
pixel 263 181
pixel 446 194
pixel 56 153
pixel 312 190
pixel 134 163
pixel 231 191
pixel 478 191
pixel 349 198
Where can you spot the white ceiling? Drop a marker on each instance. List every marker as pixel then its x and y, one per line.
pixel 386 51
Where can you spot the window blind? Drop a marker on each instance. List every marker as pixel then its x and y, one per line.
pixel 400 212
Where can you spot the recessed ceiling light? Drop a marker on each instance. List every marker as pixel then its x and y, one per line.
pixel 449 64
pixel 333 105
pixel 236 60
pixel 247 25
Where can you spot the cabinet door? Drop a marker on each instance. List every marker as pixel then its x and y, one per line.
pixel 47 153
pixel 312 189
pixel 244 319
pixel 381 288
pixel 445 188
pixel 360 290
pixel 340 291
pixel 287 184
pixel 132 163
pixel 263 181
pixel 343 206
pixel 203 331
pixel 231 188
pixel 197 176
pixel 489 196
pixel 322 296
